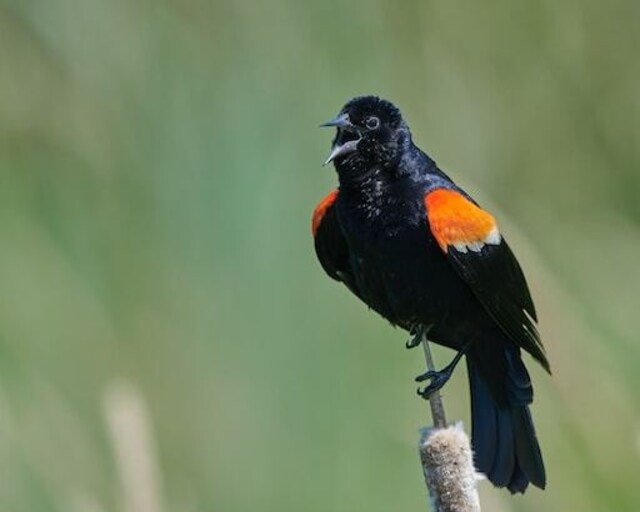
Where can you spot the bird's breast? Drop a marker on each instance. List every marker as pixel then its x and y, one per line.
pixel 373 218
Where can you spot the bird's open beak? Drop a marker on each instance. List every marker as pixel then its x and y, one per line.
pixel 342 122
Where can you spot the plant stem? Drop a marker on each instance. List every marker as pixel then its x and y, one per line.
pixel 435 401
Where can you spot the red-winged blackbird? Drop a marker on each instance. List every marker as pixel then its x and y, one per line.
pixel 404 238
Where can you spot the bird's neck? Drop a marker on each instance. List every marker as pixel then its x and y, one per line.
pixel 358 174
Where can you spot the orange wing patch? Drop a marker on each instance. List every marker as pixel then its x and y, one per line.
pixel 456 221
pixel 321 210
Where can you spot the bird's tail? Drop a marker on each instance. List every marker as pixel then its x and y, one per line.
pixel 504 440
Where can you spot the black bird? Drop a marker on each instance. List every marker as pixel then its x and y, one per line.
pixel 411 244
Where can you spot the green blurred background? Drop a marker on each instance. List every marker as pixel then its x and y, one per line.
pixel 168 340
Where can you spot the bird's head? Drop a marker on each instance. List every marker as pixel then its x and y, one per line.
pixel 370 131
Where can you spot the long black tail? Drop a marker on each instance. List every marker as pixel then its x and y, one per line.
pixel 504 440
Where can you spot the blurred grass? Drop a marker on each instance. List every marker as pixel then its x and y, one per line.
pixel 158 165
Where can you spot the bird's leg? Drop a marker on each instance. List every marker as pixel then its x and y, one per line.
pixel 439 378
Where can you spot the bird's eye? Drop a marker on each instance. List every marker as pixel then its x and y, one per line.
pixel 372 122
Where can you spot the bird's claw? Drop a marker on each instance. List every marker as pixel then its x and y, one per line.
pixel 415 341
pixel 418 332
pixel 438 379
pixel 425 393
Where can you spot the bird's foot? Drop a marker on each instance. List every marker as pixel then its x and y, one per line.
pixel 437 380
pixel 415 340
pixel 418 332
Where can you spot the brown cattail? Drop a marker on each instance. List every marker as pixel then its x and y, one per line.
pixel 447 463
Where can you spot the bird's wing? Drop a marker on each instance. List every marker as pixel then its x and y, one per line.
pixel 470 239
pixel 331 247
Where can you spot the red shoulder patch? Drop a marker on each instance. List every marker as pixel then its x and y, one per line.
pixel 321 210
pixel 456 221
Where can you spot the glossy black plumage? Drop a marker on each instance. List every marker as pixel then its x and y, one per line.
pixel 375 236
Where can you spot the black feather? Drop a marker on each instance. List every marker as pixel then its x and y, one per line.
pixel 332 250
pixel 501 390
pixel 483 421
pixel 495 277
pixel 505 457
pixel 529 455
